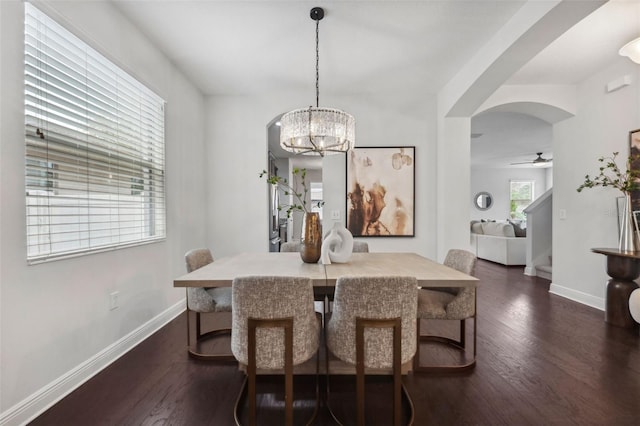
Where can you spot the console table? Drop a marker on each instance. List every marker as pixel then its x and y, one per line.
pixel 623 267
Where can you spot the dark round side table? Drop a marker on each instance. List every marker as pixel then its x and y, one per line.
pixel 623 267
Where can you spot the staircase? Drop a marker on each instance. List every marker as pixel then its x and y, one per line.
pixel 539 236
pixel 544 271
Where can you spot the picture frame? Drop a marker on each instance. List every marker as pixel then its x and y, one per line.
pixel 634 152
pixel 380 186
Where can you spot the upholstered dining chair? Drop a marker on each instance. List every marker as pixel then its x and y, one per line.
pixel 205 301
pixel 456 304
pixel 290 246
pixel 274 327
pixel 360 247
pixel 373 325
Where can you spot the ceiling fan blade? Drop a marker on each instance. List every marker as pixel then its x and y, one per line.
pixel 538 160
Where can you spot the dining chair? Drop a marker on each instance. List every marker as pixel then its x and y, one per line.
pixel 274 327
pixel 290 246
pixel 206 301
pixel 449 303
pixel 373 326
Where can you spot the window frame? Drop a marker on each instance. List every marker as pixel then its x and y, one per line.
pixel 530 200
pixel 94 149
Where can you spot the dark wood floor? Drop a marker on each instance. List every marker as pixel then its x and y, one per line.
pixel 542 360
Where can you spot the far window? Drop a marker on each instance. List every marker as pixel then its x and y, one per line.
pixel 521 195
pixel 94 148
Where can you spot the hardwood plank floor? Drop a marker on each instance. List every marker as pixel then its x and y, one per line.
pixel 542 360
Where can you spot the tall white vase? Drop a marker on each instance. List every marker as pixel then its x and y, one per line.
pixel 627 241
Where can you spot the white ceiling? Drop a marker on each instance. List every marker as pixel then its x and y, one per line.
pixel 248 47
pixel 384 46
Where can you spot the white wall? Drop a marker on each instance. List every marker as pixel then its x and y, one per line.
pixel 237 137
pixel 600 127
pixel 496 182
pixel 55 316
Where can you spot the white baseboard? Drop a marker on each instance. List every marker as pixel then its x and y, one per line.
pixel 577 296
pixel 34 405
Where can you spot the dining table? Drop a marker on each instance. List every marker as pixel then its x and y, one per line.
pixel 428 273
pixel 222 272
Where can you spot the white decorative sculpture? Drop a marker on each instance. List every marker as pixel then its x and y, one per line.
pixel 337 245
pixel 634 304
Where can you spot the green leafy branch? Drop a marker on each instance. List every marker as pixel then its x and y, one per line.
pixel 299 176
pixel 611 175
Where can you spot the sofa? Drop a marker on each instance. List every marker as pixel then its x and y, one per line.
pixel 497 242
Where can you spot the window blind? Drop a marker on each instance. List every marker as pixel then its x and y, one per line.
pixel 94 148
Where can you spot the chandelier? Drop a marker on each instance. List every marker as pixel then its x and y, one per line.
pixel 315 130
pixel 632 50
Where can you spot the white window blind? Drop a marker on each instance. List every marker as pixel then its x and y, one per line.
pixel 94 148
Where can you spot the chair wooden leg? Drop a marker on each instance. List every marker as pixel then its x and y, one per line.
pixel 360 371
pixel 198 326
pixel 287 325
pixel 251 370
pixel 397 373
pixel 193 352
pixel 460 345
pixel 416 357
pixel 396 325
pixel 188 328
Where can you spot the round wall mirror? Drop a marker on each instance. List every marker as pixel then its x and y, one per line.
pixel 483 200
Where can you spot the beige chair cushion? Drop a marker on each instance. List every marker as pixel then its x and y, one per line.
pixel 432 304
pixel 453 303
pixel 197 258
pixel 360 247
pixel 461 260
pixel 269 297
pixel 373 297
pixel 217 299
pixel 205 299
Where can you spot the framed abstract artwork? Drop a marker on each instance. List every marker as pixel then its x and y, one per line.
pixel 381 191
pixel 634 153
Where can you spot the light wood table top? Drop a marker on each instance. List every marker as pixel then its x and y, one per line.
pixel 222 271
pixel 427 272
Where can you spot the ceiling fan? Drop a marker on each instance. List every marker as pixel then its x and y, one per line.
pixel 538 161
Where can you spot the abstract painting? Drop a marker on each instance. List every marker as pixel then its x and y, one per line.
pixel 381 191
pixel 634 153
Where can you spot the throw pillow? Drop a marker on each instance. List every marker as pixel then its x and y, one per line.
pixel 518 230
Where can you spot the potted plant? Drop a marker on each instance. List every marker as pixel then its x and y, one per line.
pixel 311 236
pixel 610 175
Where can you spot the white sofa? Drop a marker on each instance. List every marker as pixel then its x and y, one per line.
pixel 496 241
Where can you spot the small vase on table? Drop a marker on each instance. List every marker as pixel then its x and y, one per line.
pixel 311 238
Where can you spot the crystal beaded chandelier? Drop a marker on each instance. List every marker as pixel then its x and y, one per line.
pixel 315 130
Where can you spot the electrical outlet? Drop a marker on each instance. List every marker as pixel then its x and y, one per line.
pixel 562 213
pixel 335 214
pixel 113 300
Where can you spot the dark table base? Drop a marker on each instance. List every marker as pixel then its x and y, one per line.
pixel 617 308
pixel 623 267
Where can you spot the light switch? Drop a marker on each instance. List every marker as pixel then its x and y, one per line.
pixel 562 213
